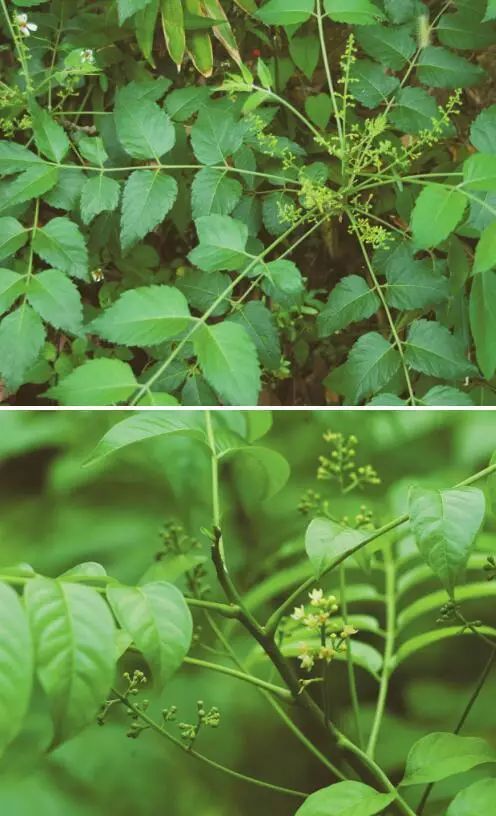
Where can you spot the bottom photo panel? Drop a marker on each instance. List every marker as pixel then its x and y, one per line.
pixel 248 612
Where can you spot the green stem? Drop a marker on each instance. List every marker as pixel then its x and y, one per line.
pixel 159 166
pixel 330 83
pixel 390 574
pixel 226 610
pixel 355 704
pixel 380 293
pixel 212 763
pixel 280 692
pixel 281 611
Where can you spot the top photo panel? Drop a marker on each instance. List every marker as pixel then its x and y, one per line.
pixel 282 203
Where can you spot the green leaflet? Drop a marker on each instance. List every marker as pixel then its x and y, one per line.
pixel 144 317
pixel 445 395
pixel 346 799
pixel 353 12
pixel 181 103
pixel 73 634
pixel 203 289
pixel 414 110
pixel 372 362
pixel 99 194
pixel 148 425
pixel 14 158
pixel 483 130
pixel 283 281
pixel 96 382
pixel 157 618
pixel 148 197
pixel 483 320
pixel 491 10
pixel 305 53
pixel 56 299
pixel 93 149
pixel 325 540
pixel 222 243
pixel 441 755
pixel 445 524
pixel 402 11
pixel 479 172
pixel 229 362
pixel 126 8
pixel 268 468
pixel 289 12
pixel 215 136
pixel 31 183
pixel 67 192
pixel 214 192
pixel 11 286
pixel 49 136
pixel 437 212
pixel 60 243
pixel 16 665
pixel 477 798
pixel 319 108
pixel 350 300
pixel 431 349
pixel 12 236
pixel 21 339
pixel 440 68
pixel 390 46
pixel 413 285
pixel 144 130
pixel 465 30
pixel 260 326
pixel 370 83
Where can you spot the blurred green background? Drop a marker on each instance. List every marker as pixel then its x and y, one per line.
pixel 54 513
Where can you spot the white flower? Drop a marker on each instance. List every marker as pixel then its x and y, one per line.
pixel 348 631
pixel 307 661
pixel 311 621
pixel 326 653
pixel 25 27
pixel 316 596
pixel 299 613
pixel 87 55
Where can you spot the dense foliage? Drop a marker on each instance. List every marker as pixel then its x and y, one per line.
pixel 348 602
pixel 208 204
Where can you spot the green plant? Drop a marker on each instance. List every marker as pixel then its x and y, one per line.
pixel 72 630
pixel 373 170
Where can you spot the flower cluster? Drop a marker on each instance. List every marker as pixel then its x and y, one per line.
pixel 341 466
pixel 333 634
pixel 208 719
